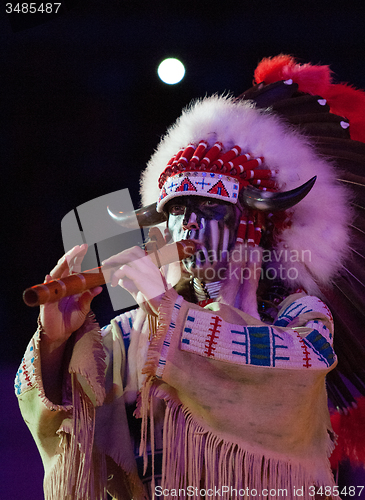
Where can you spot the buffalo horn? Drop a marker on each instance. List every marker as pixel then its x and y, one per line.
pixel 143 217
pixel 268 201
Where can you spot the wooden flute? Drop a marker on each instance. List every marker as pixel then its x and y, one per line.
pixel 55 290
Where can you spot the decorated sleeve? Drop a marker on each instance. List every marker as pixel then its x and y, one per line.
pixel 29 376
pixel 86 345
pixel 300 338
pixel 25 378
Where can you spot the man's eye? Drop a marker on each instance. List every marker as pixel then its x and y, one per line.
pixel 177 210
pixel 209 203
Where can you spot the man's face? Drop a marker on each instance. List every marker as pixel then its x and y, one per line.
pixel 212 224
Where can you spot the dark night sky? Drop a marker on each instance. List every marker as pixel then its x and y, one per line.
pixel 82 108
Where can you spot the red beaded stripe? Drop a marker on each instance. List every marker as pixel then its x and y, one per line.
pixel 211 155
pixel 259 222
pixel 239 160
pixel 227 157
pixel 250 228
pixel 251 232
pixel 199 152
pixel 264 183
pixel 186 155
pixel 164 176
pixel 242 163
pixel 170 161
pixel 258 174
pixel 241 232
pixel 176 159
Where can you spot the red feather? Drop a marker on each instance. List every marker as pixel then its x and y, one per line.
pixel 350 430
pixel 344 100
pixel 349 102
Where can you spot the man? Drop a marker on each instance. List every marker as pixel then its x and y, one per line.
pixel 228 364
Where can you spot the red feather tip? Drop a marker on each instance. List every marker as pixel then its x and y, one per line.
pixel 311 79
pixel 344 100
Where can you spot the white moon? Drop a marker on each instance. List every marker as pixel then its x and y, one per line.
pixel 171 71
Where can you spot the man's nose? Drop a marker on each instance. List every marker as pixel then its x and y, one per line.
pixel 190 222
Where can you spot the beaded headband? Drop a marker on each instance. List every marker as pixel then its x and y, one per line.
pixel 203 171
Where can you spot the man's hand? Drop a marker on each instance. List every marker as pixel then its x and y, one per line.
pixel 138 275
pixel 239 289
pixel 60 319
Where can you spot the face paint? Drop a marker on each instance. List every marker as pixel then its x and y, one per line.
pixel 212 224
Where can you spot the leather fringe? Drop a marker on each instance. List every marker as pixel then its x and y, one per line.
pixel 73 476
pixel 196 457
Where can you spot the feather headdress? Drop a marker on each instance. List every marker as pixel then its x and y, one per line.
pixel 314 240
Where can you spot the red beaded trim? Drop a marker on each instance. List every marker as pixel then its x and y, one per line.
pixel 250 228
pixel 242 167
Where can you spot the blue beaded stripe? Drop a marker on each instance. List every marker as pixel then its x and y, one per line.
pixel 239 342
pixel 278 346
pixel 291 312
pixel 260 345
pixel 18 382
pixel 125 323
pixel 260 348
pixel 125 336
pixel 320 345
pixel 187 329
pixel 24 378
pixel 166 343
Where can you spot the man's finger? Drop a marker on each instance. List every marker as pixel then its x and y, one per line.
pixel 130 255
pixel 76 257
pixel 149 285
pixel 60 268
pixel 86 298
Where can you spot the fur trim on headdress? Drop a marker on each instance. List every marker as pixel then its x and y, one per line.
pixel 316 242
